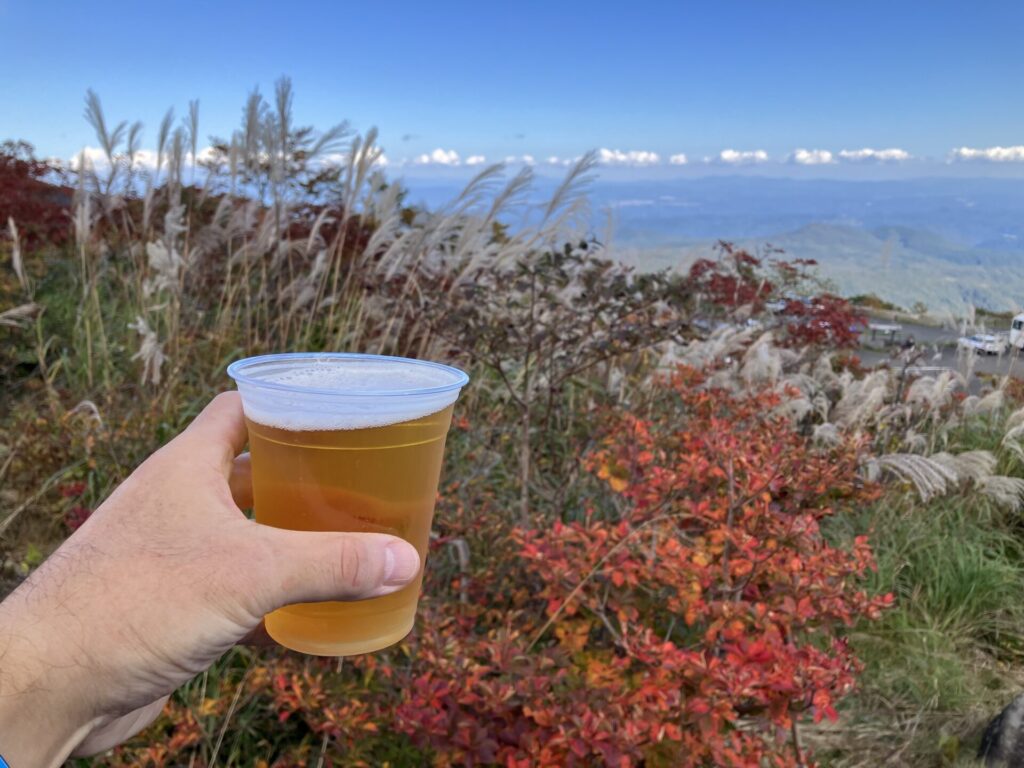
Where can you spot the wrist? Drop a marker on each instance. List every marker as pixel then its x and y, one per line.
pixel 41 720
pixel 34 733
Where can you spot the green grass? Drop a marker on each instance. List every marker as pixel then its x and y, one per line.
pixel 947 656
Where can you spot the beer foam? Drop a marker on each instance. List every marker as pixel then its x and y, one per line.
pixel 336 391
pixel 360 377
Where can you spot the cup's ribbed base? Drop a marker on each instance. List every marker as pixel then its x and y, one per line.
pixel 293 637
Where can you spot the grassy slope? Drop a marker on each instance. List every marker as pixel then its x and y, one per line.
pixel 951 653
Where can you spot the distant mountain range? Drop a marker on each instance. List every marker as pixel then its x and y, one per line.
pixel 944 242
pixel 898 264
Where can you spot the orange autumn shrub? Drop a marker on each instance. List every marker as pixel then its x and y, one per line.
pixel 693 630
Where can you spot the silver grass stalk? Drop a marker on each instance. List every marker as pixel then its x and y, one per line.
pixel 973 466
pixel 18 317
pixel 862 400
pixel 1013 442
pixel 930 478
pixel 16 263
pixel 193 133
pixel 109 140
pixel 935 392
pixel 1007 492
pixel 762 362
pixel 132 145
pixel 914 441
pixel 1015 419
pixel 150 351
pixel 826 434
pixel 991 402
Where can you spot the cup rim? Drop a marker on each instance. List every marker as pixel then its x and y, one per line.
pixel 236 371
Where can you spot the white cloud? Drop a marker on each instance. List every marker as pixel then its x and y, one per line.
pixel 679 159
pixel 93 157
pixel 519 160
pixel 1013 154
pixel 633 157
pixel 868 155
pixel 439 157
pixel 812 157
pixel 476 160
pixel 737 157
pixel 341 158
pixel 145 159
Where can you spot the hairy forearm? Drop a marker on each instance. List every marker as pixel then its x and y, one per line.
pixel 41 721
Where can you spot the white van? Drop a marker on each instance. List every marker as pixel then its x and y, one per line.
pixel 1017 332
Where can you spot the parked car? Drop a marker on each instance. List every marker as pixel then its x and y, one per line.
pixel 984 343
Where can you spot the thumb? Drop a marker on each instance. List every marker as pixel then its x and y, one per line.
pixel 314 566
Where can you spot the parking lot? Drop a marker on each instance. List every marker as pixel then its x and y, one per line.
pixel 937 347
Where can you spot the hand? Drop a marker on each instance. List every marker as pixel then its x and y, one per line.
pixel 163 578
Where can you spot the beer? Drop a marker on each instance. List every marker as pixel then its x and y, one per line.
pixel 345 443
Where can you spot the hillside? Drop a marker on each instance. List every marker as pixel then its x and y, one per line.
pixel 898 264
pixel 905 266
pixel 946 242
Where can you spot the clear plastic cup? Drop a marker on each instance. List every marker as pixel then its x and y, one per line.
pixel 347 442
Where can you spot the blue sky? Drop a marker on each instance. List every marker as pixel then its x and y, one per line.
pixel 645 81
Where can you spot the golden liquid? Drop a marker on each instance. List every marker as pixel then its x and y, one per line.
pixel 382 480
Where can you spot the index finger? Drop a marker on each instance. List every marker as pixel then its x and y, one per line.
pixel 218 433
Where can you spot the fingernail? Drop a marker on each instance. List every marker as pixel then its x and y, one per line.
pixel 402 563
